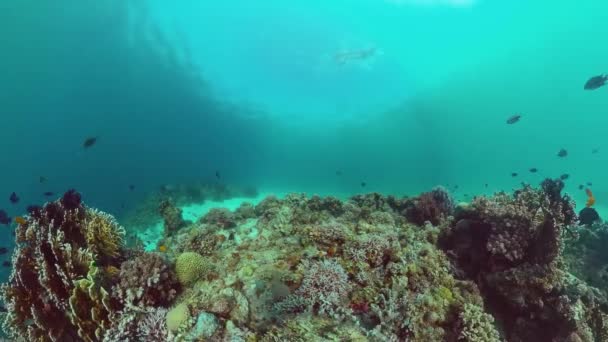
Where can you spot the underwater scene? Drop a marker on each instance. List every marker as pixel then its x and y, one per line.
pixel 345 170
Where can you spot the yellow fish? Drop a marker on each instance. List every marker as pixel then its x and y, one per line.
pixel 20 220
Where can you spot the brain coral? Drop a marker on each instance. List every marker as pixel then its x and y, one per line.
pixel 190 266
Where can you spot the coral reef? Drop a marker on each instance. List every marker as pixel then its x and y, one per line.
pixel 57 290
pixel 146 281
pixel 511 246
pixel 371 268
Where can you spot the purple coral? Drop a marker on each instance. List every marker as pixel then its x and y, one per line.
pixel 146 281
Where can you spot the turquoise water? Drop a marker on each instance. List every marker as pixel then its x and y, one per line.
pixel 176 92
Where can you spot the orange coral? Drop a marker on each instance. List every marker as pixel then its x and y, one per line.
pixel 590 198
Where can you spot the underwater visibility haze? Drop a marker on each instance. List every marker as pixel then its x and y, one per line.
pixel 361 170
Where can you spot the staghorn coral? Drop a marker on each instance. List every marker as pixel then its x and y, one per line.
pixel 56 291
pixel 146 281
pixel 324 287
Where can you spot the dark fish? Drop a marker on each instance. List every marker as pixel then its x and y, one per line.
pixel 564 176
pixel 3 250
pixel 486 185
pixel 131 187
pixel 513 119
pixel 363 184
pixel 596 82
pixel 562 153
pixel 42 179
pixel 217 175
pixel 89 142
pixel 4 219
pixel 580 187
pixel 595 150
pixel 533 170
pixel 3 309
pixel 14 198
pixel 338 173
pixel 6 264
pixel 48 193
pixel 514 174
pixel 589 184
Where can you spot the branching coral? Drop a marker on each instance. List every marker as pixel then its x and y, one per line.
pixel 146 281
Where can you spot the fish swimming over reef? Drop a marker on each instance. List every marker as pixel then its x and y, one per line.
pixel 564 176
pixel 562 153
pixel 363 184
pixel 42 179
pixel 596 82
pixel 533 170
pixel 3 250
pixel 513 174
pixel 89 142
pixel 6 263
pixel 513 119
pixel 48 193
pixel 20 220
pixel 14 198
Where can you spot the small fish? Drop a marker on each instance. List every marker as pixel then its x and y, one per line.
pixel 4 219
pixel 562 153
pixel 42 179
pixel 20 220
pixel 564 176
pixel 131 187
pixel 595 150
pixel 14 198
pixel 533 170
pixel 3 250
pixel 580 187
pixel 363 184
pixel 217 175
pixel 162 248
pixel 338 173
pixel 486 185
pixel 596 82
pixel 589 184
pixel 513 174
pixel 6 264
pixel 48 193
pixel 513 119
pixel 89 142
